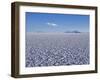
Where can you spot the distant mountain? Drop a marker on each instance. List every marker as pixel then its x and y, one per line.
pixel 40 31
pixel 75 31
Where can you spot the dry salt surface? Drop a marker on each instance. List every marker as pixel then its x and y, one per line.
pixel 56 49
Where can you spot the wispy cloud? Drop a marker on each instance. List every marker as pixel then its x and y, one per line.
pixel 51 24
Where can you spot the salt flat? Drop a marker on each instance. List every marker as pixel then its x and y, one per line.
pixel 56 49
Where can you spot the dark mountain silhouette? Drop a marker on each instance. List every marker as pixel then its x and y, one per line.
pixel 75 31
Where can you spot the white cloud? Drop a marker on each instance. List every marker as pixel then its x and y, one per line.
pixel 51 24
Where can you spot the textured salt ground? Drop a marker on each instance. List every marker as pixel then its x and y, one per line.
pixel 56 49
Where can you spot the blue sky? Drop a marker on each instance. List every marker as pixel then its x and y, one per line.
pixel 47 22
